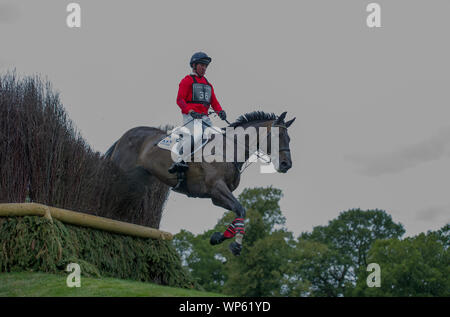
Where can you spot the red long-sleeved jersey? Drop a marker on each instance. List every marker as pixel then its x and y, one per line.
pixel 185 96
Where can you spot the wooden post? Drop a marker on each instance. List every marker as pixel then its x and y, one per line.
pixel 82 219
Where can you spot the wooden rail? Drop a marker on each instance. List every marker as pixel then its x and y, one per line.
pixel 82 219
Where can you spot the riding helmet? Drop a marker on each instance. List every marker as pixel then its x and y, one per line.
pixel 200 57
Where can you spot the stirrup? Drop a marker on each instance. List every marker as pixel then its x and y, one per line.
pixel 178 185
pixel 178 167
pixel 173 168
pixel 181 177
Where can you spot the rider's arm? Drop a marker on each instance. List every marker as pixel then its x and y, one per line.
pixel 183 93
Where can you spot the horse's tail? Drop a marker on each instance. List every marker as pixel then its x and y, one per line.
pixel 110 151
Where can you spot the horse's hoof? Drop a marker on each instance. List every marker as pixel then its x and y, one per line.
pixel 235 248
pixel 217 238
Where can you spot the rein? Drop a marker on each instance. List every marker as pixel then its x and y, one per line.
pixel 285 149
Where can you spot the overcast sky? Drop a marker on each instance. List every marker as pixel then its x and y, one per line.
pixel 372 104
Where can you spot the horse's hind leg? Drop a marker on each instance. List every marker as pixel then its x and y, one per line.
pixel 222 196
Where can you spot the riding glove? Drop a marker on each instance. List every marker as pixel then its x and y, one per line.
pixel 222 115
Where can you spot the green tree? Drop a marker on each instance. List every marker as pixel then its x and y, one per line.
pixel 261 271
pixel 443 235
pixel 417 266
pixel 347 239
pixel 323 269
pixel 204 262
pixel 263 267
pixel 264 200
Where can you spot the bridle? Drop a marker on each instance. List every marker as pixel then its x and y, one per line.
pixel 284 149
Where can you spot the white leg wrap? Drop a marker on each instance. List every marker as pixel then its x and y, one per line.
pixel 239 238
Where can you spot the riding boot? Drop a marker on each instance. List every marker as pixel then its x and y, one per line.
pixel 180 179
pixel 178 167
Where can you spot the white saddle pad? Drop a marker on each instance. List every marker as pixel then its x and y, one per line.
pixel 169 141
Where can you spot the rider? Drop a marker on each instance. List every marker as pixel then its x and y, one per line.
pixel 195 95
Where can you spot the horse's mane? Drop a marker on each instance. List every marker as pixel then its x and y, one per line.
pixel 253 116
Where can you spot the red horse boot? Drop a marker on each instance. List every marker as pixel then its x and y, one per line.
pixel 237 226
pixel 236 246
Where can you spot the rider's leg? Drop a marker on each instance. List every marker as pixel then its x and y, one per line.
pixel 179 165
pixel 196 128
pixel 206 120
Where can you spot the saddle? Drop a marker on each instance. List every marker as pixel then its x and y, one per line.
pixel 172 140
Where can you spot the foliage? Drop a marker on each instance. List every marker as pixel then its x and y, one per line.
pixel 322 269
pixel 353 232
pixel 260 270
pixel 417 266
pixel 329 261
pixel 35 244
pixel 262 267
pixel 348 239
pixel 265 201
pixel 203 261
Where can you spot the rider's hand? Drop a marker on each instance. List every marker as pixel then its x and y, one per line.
pixel 222 115
pixel 196 115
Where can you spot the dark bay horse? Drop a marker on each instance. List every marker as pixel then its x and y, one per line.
pixel 137 152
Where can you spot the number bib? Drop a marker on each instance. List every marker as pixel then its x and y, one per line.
pixel 201 93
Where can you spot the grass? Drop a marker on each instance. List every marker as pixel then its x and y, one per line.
pixel 31 284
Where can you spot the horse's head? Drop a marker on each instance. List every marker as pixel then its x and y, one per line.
pixel 282 159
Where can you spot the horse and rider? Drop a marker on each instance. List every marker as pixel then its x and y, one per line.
pixel 138 152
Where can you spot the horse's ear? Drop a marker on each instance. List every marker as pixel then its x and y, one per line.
pixel 280 119
pixel 290 122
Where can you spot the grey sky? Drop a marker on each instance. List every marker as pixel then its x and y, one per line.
pixel 372 105
pixel 435 147
pixel 8 13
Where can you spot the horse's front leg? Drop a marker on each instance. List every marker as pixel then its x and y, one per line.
pixel 222 196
